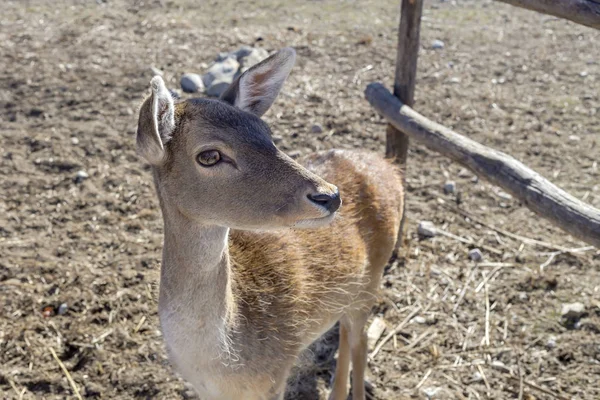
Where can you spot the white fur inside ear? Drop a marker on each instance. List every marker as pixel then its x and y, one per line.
pixel 163 110
pixel 259 87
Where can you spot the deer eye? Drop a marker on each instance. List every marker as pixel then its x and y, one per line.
pixel 208 158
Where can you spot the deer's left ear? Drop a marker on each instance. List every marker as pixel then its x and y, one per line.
pixel 256 89
pixel 156 122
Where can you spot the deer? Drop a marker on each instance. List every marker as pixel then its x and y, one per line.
pixel 260 258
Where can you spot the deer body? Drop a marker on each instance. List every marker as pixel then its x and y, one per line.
pixel 241 293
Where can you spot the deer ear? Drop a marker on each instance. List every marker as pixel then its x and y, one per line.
pixel 256 89
pixel 156 122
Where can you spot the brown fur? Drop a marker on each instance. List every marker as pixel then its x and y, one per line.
pixel 288 283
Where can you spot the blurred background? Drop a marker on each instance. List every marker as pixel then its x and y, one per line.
pixel 81 231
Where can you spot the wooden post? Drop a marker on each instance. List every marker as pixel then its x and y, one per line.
pixel 404 85
pixel 406 73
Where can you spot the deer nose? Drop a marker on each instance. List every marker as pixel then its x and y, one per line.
pixel 329 201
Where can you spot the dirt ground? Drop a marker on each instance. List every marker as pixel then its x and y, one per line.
pixel 72 74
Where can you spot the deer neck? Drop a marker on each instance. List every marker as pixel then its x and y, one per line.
pixel 195 287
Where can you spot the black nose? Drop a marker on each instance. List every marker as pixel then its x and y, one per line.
pixel 330 201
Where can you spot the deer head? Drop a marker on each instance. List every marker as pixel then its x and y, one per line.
pixel 214 160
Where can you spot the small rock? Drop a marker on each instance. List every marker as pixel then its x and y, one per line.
pixel 455 79
pixel 503 195
pixel 237 54
pixel 464 173
pixel 551 343
pixel 192 83
pixel 62 309
pixel 573 311
pixel 477 377
pixel 449 187
pixel 35 112
pixel 523 296
pixel 583 74
pixel 574 138
pixel 294 154
pixel 475 254
pixel 437 44
pixel 222 56
pixel 419 320
pixel 93 389
pixel 74 140
pixel 426 229
pixel 155 71
pixel 220 75
pixel 431 392
pixel 254 57
pixel 587 324
pixel 500 366
pixel 242 52
pixel 316 128
pixel 81 176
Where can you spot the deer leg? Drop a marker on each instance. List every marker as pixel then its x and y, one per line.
pixel 342 368
pixel 358 348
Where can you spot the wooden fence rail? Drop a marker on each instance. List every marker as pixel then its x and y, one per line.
pixel 536 192
pixel 584 12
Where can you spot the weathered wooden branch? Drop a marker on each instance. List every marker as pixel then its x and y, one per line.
pixel 584 12
pixel 536 192
pixel 404 85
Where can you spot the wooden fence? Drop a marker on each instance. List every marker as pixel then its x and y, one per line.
pixel 534 191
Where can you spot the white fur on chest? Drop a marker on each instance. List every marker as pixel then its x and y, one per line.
pixel 214 372
pixel 195 354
